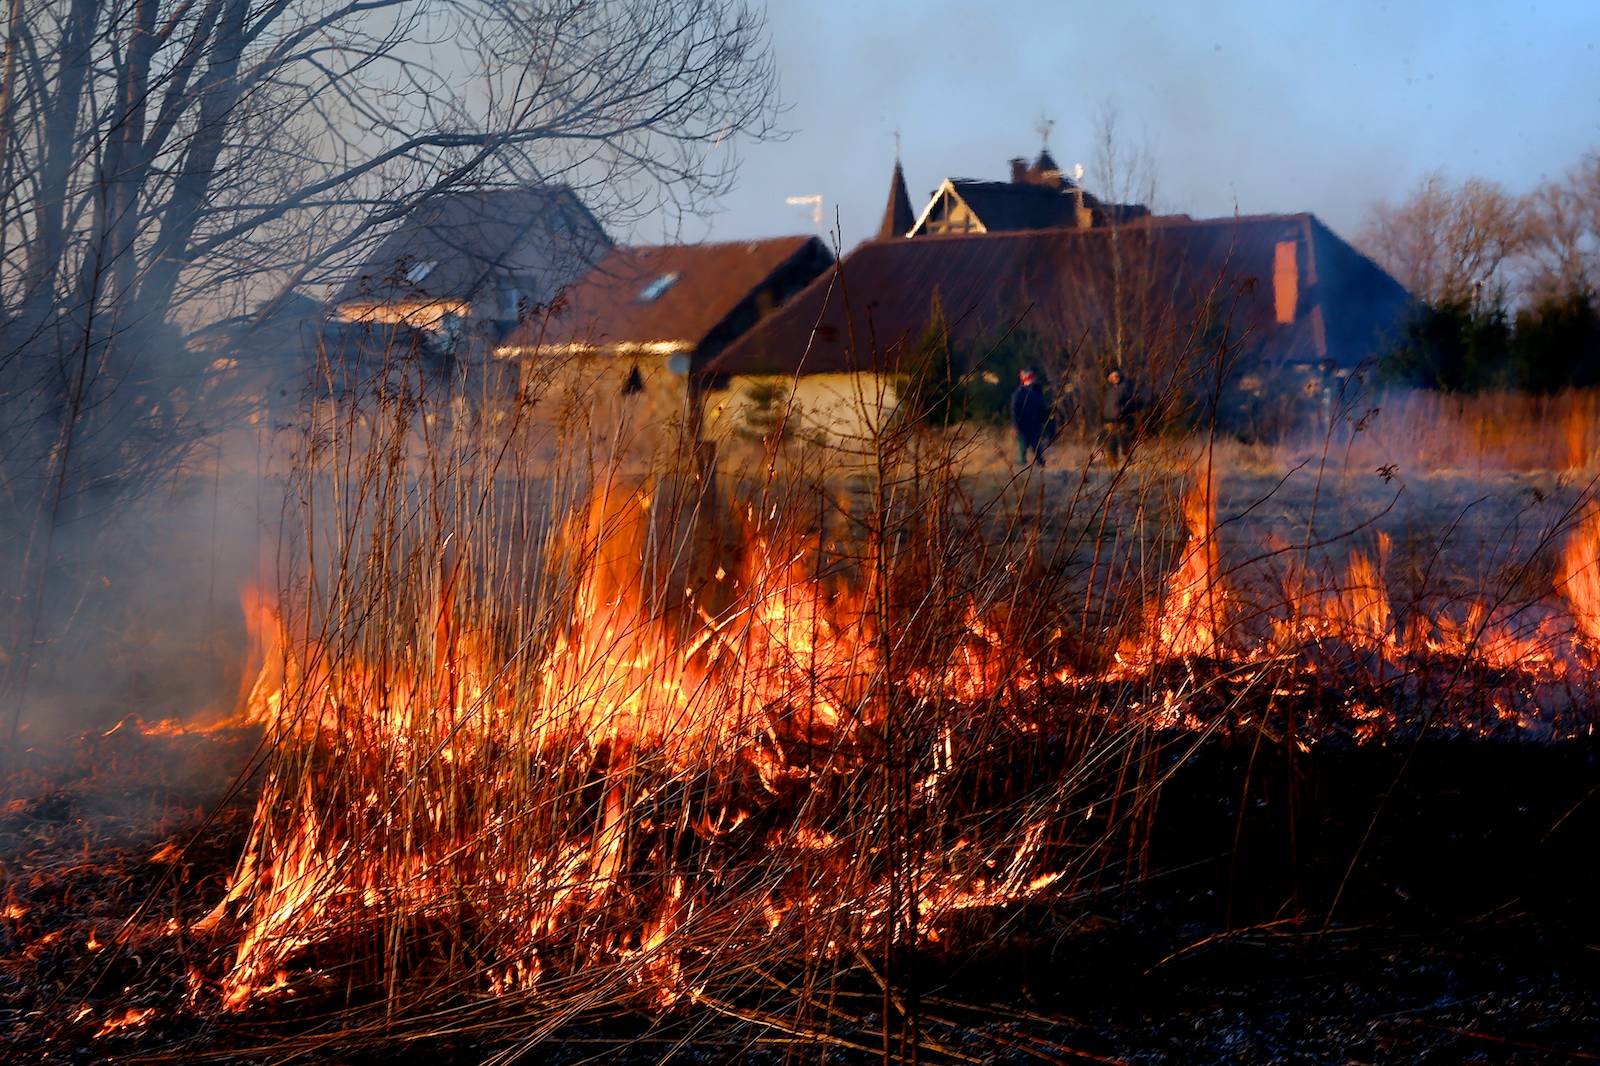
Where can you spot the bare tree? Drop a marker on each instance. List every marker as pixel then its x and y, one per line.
pixel 162 159
pixel 1563 245
pixel 1124 172
pixel 160 155
pixel 1448 243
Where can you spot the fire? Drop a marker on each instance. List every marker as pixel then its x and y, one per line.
pixel 1354 611
pixel 127 1019
pixel 400 789
pixel 652 784
pixel 1192 618
pixel 1579 576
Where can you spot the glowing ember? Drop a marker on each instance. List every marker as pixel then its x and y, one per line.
pixel 127 1019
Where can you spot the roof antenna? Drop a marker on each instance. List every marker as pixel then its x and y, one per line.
pixel 814 201
pixel 1042 126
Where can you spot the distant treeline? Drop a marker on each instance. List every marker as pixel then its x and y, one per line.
pixel 1460 346
pixel 1508 283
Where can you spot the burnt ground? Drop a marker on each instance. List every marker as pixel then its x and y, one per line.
pixel 1429 901
pixel 1431 904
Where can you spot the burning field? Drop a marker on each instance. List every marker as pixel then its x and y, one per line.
pixel 912 765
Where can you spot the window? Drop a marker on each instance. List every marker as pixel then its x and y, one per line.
pixel 1285 281
pixel 420 270
pixel 654 290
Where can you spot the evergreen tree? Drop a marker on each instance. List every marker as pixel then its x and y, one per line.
pixel 934 394
pixel 1557 343
pixel 1457 346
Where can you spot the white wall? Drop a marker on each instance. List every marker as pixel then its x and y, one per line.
pixel 834 410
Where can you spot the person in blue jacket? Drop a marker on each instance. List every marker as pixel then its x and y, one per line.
pixel 1030 415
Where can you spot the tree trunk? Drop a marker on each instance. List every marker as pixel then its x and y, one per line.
pixel 219 93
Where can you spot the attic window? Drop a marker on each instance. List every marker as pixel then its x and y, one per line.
pixel 420 270
pixel 653 291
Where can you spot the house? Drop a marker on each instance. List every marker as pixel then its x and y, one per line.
pixel 1038 196
pixel 476 257
pixel 287 351
pixel 633 333
pixel 1259 299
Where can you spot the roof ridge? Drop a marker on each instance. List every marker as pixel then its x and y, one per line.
pixel 1145 223
pixel 796 237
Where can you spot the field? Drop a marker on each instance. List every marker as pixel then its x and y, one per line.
pixel 1229 754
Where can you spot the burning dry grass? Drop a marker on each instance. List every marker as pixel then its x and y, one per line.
pixel 593 744
pixel 550 744
pixel 694 752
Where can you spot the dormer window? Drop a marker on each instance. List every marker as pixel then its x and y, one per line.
pixel 420 270
pixel 653 291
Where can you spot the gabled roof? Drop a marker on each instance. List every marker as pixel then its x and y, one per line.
pixel 668 298
pixel 1004 205
pixel 454 243
pixel 1060 283
pixel 898 217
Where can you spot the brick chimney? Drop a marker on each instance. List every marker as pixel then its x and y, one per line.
pixel 1081 213
pixel 1019 171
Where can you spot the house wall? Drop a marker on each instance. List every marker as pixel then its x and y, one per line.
pixel 951 216
pixel 836 410
pixel 584 405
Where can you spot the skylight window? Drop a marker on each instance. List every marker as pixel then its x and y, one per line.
pixel 654 290
pixel 420 270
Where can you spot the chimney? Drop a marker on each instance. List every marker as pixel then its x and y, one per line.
pixel 1019 171
pixel 1081 215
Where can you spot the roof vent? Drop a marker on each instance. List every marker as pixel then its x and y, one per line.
pixel 653 291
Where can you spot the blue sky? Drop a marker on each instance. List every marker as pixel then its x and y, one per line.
pixel 1273 106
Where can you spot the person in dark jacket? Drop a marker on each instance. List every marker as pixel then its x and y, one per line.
pixel 1118 405
pixel 1030 413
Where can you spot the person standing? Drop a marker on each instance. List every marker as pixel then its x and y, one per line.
pixel 1030 412
pixel 1117 408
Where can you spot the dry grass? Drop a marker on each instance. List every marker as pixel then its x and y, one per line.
pixel 588 743
pixel 560 735
pixel 1474 434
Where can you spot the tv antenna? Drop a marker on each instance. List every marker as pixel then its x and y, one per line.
pixel 814 201
pixel 1043 127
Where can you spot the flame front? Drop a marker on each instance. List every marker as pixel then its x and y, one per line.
pixel 654 791
pixel 530 802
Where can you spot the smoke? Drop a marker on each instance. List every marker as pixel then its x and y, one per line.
pixel 139 609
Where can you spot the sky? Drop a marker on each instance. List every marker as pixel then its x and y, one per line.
pixel 1255 106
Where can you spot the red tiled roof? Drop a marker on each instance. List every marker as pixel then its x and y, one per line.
pixel 669 293
pixel 1061 284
